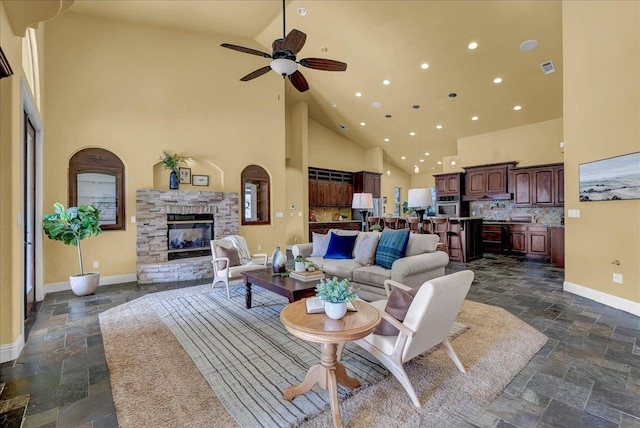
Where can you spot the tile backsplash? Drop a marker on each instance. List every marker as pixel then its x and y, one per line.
pixel 504 210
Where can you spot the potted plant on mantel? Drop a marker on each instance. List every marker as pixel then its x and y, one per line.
pixel 172 162
pixel 70 226
pixel 335 294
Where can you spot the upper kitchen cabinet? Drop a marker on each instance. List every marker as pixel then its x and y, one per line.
pixel 330 188
pixel 538 186
pixel 487 181
pixel 449 184
pixel 367 182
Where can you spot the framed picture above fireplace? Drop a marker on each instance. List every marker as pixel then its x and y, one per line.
pixel 200 180
pixel 185 175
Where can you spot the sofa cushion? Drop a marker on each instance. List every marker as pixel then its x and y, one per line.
pixel 397 306
pixel 341 268
pixel 340 247
pixel 374 275
pixel 230 253
pixel 320 244
pixel 365 249
pixel 421 243
pixel 392 246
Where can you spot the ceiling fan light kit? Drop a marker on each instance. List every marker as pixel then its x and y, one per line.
pixel 284 58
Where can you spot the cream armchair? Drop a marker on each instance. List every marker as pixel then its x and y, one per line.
pixel 428 320
pixel 222 272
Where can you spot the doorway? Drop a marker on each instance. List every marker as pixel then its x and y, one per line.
pixel 29 215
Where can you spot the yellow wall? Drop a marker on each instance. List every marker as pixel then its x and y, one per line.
pixel 328 149
pixel 126 88
pixel 601 120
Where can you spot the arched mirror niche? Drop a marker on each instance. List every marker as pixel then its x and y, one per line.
pixel 96 177
pixel 255 196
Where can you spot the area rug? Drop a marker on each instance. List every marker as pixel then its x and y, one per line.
pixel 249 358
pixel 155 382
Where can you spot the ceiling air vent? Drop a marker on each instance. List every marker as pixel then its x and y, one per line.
pixel 343 127
pixel 547 67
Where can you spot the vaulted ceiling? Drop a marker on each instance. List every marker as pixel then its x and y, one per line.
pixel 390 40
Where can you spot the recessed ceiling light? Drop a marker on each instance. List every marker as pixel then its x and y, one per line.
pixel 343 127
pixel 473 45
pixel 385 82
pixel 421 160
pixel 426 153
pixel 416 169
pixel 497 80
pixel 323 49
pixel 438 126
pixel 333 105
pixel 474 118
pixel 439 163
pixel 424 66
pixel 358 94
pixel 302 11
pixel 528 45
pixel 412 133
pixel 403 157
pixel 388 116
pixel 386 140
pixel 516 108
pixel 362 123
pixel 376 104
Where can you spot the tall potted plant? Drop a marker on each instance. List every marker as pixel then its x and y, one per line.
pixel 172 162
pixel 71 226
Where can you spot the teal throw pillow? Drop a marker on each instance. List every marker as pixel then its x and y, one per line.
pixel 392 246
pixel 340 246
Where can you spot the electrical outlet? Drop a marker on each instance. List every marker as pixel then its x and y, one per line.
pixel 133 219
pixel 259 247
pixel 573 213
pixel 617 278
pixel 96 265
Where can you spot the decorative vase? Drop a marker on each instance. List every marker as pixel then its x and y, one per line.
pixel 335 311
pixel 84 285
pixel 173 181
pixel 278 261
pixel 299 267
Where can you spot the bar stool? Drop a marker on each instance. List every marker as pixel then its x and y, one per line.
pixel 371 221
pixel 413 224
pixel 440 227
pixel 391 222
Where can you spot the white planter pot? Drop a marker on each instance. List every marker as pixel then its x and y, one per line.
pixel 299 267
pixel 335 311
pixel 85 284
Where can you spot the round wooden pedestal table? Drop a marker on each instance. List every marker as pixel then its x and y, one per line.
pixel 331 335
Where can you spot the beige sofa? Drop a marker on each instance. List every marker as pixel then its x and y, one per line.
pixel 421 263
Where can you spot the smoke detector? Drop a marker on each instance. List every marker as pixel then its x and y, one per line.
pixel 547 67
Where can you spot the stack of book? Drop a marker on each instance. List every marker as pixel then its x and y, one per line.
pixel 316 275
pixel 315 305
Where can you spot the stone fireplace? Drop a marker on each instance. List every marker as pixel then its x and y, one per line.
pixel 189 219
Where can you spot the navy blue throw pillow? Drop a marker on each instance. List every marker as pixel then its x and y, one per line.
pixel 340 246
pixel 392 246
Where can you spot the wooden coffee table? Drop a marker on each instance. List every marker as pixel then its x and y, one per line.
pixel 331 335
pixel 290 288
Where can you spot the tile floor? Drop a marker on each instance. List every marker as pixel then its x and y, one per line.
pixel 587 375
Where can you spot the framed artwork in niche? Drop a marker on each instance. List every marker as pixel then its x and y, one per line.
pixel 200 180
pixel 611 179
pixel 185 175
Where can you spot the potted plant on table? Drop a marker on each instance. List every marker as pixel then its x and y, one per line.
pixel 70 226
pixel 335 294
pixel 172 162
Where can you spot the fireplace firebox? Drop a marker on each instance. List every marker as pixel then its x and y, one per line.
pixel 189 235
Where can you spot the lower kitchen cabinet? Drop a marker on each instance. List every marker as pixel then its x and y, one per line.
pixel 557 246
pixel 465 239
pixel 529 240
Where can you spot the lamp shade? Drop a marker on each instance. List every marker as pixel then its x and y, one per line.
pixel 362 201
pixel 419 198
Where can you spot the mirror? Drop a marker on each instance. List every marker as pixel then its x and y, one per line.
pixel 255 196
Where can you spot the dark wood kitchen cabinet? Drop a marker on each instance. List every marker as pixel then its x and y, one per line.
pixel 367 182
pixel 330 188
pixel 487 181
pixel 494 237
pixel 448 184
pixel 529 240
pixel 538 186
pixel 557 246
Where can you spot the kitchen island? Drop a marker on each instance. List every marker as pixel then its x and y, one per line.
pixel 324 226
pixel 465 239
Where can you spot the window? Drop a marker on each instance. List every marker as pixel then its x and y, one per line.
pixel 96 177
pixel 255 196
pixel 396 201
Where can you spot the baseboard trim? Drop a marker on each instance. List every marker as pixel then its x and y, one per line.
pixel 604 298
pixel 11 351
pixel 106 280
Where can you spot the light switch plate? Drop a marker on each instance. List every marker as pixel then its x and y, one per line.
pixel 573 213
pixel 279 214
pixel 133 219
pixel 617 278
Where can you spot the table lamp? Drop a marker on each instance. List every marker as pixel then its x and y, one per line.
pixel 419 199
pixel 363 202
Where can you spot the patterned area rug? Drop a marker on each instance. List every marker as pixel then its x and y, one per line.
pixel 249 358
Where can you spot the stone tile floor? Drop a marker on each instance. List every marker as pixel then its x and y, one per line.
pixel 587 375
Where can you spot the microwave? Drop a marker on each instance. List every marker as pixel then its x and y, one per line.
pixel 448 209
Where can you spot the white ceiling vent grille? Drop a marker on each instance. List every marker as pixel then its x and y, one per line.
pixel 547 67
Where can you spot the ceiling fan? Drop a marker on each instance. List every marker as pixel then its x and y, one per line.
pixel 283 58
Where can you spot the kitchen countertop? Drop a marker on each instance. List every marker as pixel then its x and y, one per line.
pixel 520 222
pixel 336 221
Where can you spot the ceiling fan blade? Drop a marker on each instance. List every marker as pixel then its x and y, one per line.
pixel 259 72
pixel 323 64
pixel 298 81
pixel 294 41
pixel 245 50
